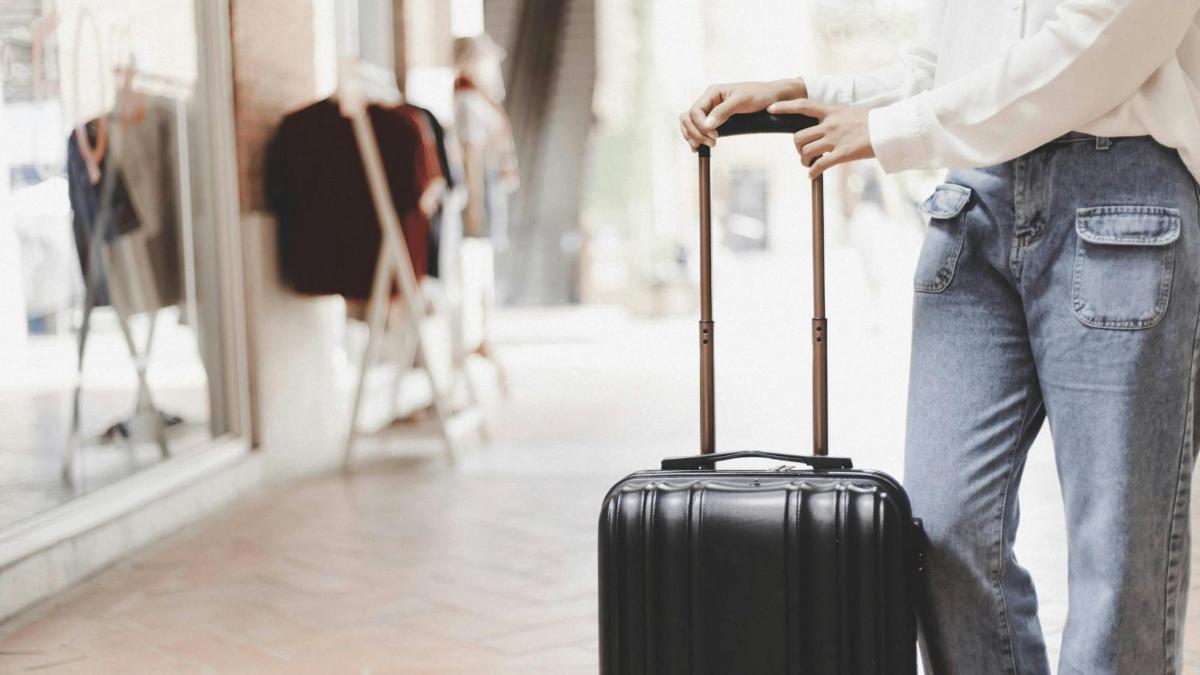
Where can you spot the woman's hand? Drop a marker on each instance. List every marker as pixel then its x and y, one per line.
pixel 841 136
pixel 699 123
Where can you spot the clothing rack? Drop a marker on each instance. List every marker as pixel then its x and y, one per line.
pixel 155 84
pixel 148 423
pixel 358 83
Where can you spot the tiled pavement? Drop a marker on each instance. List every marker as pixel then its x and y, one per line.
pixel 35 411
pixel 410 567
pixel 396 570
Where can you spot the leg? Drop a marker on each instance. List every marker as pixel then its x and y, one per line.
pixel 1113 325
pixel 376 311
pixel 974 409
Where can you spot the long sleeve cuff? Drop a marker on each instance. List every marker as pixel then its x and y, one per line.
pixel 830 89
pixel 899 135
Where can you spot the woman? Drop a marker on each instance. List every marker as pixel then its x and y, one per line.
pixel 1059 280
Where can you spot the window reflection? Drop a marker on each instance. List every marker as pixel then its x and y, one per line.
pixel 100 221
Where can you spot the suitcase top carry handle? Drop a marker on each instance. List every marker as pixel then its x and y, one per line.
pixel 765 123
pixel 757 123
pixel 697 463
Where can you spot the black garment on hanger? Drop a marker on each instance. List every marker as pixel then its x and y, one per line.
pixel 85 206
pixel 439 133
pixel 329 235
pixel 435 224
pixel 141 230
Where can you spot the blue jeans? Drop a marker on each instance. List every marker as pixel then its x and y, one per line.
pixel 1061 285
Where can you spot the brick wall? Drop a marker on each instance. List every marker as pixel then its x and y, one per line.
pixel 272 73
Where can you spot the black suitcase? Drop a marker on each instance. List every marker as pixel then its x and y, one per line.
pixel 793 571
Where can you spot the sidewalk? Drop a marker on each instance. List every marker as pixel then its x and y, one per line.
pixel 408 566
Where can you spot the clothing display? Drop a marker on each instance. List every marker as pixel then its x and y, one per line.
pixel 429 157
pixel 141 229
pixel 490 176
pixel 84 195
pixel 486 137
pixel 449 171
pixel 329 233
pixel 147 260
pixel 123 188
pixel 975 88
pixel 444 217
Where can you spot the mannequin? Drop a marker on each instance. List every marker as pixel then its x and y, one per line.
pixel 489 153
pixel 490 171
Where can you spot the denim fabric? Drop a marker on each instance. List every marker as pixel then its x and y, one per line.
pixel 1062 285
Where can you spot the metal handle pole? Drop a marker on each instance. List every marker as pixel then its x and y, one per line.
pixel 820 328
pixel 708 437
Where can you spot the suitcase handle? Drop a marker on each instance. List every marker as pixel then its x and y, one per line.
pixel 765 123
pixel 751 124
pixel 699 462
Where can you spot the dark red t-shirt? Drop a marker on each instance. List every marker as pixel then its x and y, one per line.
pixel 329 235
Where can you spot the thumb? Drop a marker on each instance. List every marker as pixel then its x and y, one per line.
pixel 722 112
pixel 799 106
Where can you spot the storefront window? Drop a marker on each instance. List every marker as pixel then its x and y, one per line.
pixel 110 338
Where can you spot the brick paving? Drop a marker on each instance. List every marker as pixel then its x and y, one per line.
pixel 408 566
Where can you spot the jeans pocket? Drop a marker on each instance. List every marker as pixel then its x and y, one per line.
pixel 1124 265
pixel 943 240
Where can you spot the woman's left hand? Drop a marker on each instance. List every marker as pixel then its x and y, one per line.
pixel 841 135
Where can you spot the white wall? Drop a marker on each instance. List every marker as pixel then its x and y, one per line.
pixel 300 412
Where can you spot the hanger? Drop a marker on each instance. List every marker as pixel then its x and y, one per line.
pixel 132 102
pixel 361 83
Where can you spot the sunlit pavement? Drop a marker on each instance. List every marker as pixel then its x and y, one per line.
pixel 409 566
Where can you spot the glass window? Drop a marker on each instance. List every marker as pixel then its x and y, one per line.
pixel 109 328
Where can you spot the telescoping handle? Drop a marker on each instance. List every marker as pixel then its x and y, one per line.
pixel 762 123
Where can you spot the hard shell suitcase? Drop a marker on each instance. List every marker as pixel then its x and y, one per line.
pixel 798 571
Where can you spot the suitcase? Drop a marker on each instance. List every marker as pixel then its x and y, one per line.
pixel 796 570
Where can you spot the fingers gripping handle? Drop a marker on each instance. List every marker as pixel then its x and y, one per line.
pixel 820 329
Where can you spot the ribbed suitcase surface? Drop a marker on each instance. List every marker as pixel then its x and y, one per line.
pixel 748 572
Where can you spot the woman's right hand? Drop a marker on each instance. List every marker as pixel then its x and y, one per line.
pixel 699 123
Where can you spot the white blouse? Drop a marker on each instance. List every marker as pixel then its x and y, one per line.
pixel 989 80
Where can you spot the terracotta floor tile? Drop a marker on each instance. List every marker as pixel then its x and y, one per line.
pixel 410 567
pixel 18 660
pixel 544 637
pixel 223 653
pixel 456 624
pixel 129 661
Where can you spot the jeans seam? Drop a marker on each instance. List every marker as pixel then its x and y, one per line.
pixel 1026 415
pixel 1171 594
pixel 945 274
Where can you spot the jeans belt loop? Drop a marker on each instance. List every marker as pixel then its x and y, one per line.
pixel 1103 143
